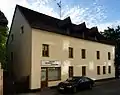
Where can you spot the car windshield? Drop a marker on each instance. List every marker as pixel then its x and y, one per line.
pixel 73 79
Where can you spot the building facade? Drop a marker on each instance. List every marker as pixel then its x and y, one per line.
pixel 48 50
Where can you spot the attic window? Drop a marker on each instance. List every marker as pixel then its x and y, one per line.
pixel 22 30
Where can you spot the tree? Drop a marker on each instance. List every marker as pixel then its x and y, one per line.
pixel 114 35
pixel 3 38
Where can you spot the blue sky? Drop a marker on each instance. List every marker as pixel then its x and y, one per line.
pixel 101 13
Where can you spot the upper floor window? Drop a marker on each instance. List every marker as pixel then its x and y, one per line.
pixel 98 54
pixel 45 50
pixel 83 53
pixel 109 56
pixel 70 52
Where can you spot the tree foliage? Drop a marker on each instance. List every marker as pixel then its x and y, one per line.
pixel 114 35
pixel 3 38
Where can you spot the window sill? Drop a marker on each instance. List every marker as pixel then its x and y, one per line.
pixel 45 56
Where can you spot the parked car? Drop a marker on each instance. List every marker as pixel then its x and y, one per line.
pixel 75 83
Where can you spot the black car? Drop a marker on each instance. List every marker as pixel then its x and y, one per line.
pixel 75 83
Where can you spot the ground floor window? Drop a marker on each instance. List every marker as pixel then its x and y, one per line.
pixel 109 69
pixel 98 70
pixel 83 70
pixel 104 69
pixel 54 73
pixel 70 71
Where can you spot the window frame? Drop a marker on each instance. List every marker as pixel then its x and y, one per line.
pixel 109 69
pixel 83 53
pixel 109 56
pixel 45 53
pixel 59 74
pixel 98 55
pixel 98 70
pixel 70 52
pixel 84 74
pixel 104 69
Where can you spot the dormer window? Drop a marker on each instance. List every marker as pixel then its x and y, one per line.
pixel 68 31
pixel 83 35
pixel 95 38
pixel 22 30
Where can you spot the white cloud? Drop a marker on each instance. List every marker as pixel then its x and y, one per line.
pixel 92 15
pixel 104 26
pixel 8 7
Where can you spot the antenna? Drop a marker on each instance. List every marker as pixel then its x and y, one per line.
pixel 60 6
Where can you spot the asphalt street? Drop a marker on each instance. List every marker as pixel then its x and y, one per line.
pixel 103 88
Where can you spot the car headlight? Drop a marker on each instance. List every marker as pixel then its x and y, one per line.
pixel 69 86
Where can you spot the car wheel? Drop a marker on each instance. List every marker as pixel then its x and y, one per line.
pixel 74 89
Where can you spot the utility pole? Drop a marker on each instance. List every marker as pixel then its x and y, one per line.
pixel 59 4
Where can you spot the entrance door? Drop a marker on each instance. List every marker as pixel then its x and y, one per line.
pixel 70 71
pixel 44 81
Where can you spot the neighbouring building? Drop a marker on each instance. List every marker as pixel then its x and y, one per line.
pixel 46 50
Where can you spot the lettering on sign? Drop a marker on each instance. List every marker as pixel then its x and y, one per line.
pixel 50 63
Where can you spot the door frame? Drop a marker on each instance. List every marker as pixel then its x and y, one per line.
pixel 44 83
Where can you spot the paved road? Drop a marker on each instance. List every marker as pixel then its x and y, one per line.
pixel 106 88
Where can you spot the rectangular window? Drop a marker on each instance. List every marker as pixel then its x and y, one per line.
pixel 104 70
pixel 83 53
pixel 98 70
pixel 98 54
pixel 109 56
pixel 83 70
pixel 54 73
pixel 70 71
pixel 109 69
pixel 45 50
pixel 70 52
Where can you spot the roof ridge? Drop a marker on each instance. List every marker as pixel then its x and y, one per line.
pixel 19 6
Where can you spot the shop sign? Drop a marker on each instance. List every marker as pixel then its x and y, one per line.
pixel 53 63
